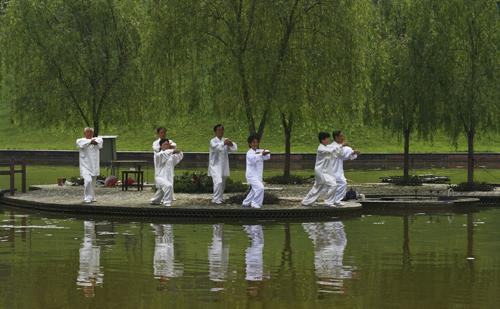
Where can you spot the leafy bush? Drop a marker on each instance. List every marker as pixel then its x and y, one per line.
pixel 196 182
pixel 476 186
pixel 292 180
pixel 269 198
pixel 400 181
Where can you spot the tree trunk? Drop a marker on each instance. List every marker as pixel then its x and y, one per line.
pixel 470 156
pixel 96 127
pixel 406 162
pixel 287 128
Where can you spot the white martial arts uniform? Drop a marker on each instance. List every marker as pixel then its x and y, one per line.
pixel 218 256
pixel 156 148
pixel 337 170
pixel 254 171
pixel 324 182
pixel 218 166
pixel 329 241
pixel 90 273
pixel 254 259
pixel 89 165
pixel 165 162
pixel 164 265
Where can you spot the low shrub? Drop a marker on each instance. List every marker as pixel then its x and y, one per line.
pixel 476 186
pixel 292 180
pixel 400 180
pixel 201 183
pixel 269 198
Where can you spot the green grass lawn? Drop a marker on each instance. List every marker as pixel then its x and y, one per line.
pixel 49 174
pixel 194 132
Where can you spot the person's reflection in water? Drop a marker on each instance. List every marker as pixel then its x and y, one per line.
pixel 329 241
pixel 90 274
pixel 164 259
pixel 218 257
pixel 254 259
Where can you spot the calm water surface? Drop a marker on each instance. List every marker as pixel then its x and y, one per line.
pixel 433 261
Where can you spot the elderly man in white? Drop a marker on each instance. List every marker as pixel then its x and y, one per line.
pixel 218 165
pixel 254 172
pixel 337 168
pixel 324 184
pixel 165 161
pixel 88 147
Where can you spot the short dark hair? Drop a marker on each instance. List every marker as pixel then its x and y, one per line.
pixel 218 126
pixel 252 137
pixel 163 141
pixel 323 135
pixel 336 133
pixel 160 128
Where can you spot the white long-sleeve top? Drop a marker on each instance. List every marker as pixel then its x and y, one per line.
pixel 325 156
pixel 156 145
pixel 346 153
pixel 255 164
pixel 89 155
pixel 218 158
pixel 165 161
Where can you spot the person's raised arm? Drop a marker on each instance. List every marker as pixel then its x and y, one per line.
pixel 82 143
pixel 216 144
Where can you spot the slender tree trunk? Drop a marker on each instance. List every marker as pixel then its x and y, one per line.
pixel 470 156
pixel 96 127
pixel 406 160
pixel 287 128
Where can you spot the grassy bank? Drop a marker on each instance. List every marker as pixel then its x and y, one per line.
pixel 194 132
pixel 49 175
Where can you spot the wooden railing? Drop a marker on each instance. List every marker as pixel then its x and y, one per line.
pixel 9 169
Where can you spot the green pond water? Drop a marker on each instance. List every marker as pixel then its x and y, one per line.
pixel 372 261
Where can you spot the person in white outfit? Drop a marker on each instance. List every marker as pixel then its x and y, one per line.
pixel 88 148
pixel 218 162
pixel 90 273
pixel 324 183
pixel 162 133
pixel 337 168
pixel 255 168
pixel 165 161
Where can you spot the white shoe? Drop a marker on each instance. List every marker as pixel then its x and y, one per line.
pixel 167 204
pixel 87 201
pixel 93 200
pixel 339 204
pixel 255 206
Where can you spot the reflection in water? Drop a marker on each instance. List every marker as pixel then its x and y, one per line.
pixel 90 273
pixel 218 257
pixel 329 241
pixel 253 255
pixel 164 260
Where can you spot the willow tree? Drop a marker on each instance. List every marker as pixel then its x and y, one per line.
pixel 71 60
pixel 470 37
pixel 406 71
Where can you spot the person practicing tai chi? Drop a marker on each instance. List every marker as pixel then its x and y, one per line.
pixel 254 171
pixel 218 166
pixel 337 168
pixel 88 147
pixel 165 161
pixel 162 132
pixel 324 183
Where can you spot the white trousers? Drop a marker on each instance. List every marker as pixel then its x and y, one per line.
pixel 256 195
pixel 341 191
pixel 219 187
pixel 164 192
pixel 326 189
pixel 88 187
